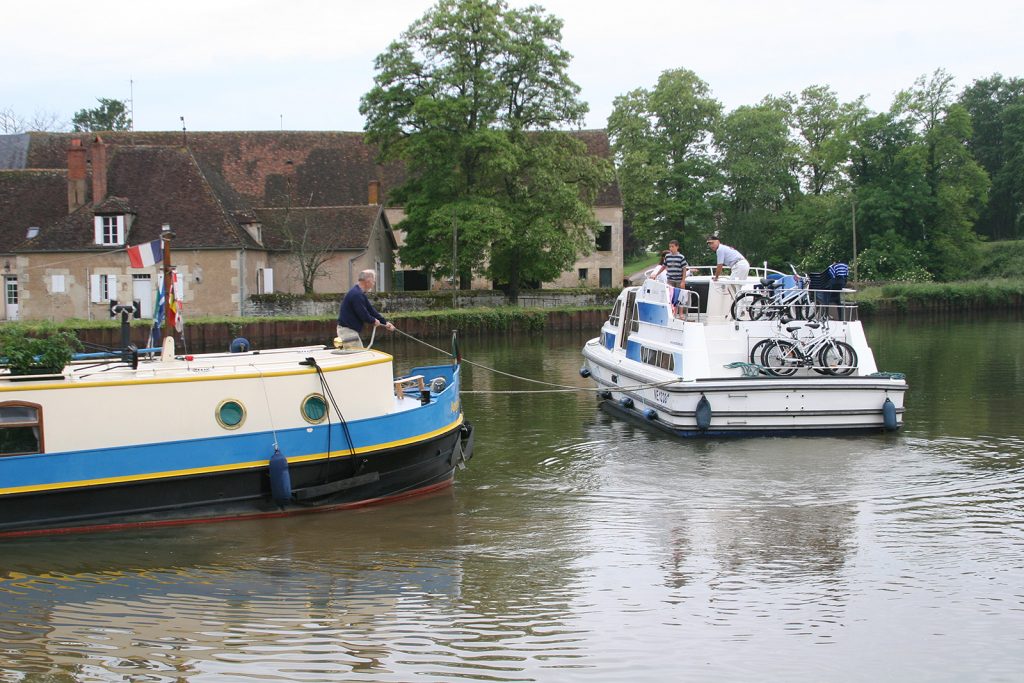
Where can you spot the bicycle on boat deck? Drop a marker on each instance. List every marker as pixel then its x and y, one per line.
pixel 777 296
pixel 821 352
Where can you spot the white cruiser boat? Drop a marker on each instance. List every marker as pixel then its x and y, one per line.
pixel 702 367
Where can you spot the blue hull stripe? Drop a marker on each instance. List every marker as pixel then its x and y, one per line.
pixel 44 471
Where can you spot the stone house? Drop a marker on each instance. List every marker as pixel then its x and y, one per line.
pixel 250 212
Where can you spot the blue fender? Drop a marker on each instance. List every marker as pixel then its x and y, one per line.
pixel 280 479
pixel 703 413
pixel 889 415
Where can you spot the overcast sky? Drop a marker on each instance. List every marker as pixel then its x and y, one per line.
pixel 304 64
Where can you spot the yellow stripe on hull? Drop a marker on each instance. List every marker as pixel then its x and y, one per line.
pixel 230 468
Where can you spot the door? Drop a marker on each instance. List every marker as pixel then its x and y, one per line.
pixel 142 291
pixel 11 289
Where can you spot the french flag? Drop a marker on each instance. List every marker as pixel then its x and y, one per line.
pixel 145 254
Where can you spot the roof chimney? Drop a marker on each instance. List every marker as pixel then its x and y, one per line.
pixel 99 171
pixel 76 175
pixel 374 192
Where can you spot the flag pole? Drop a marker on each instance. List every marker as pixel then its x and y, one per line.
pixel 166 235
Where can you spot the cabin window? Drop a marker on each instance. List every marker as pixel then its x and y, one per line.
pixel 661 359
pixel 230 414
pixel 20 429
pixel 314 408
pixel 613 319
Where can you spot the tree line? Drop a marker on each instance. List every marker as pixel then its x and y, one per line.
pixel 789 178
pixel 111 114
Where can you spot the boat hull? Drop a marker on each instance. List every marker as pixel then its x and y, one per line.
pixel 371 477
pixel 188 439
pixel 746 406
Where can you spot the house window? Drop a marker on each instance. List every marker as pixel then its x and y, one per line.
pixel 265 281
pixel 603 239
pixel 582 272
pixel 109 230
pixel 20 428
pixel 103 288
pixel 12 291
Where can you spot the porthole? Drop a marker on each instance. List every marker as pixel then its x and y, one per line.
pixel 314 408
pixel 230 414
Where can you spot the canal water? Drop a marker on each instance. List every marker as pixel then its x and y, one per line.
pixel 577 547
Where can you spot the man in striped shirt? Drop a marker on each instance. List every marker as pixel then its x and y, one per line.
pixel 674 263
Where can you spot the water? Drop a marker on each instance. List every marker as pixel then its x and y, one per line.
pixel 579 547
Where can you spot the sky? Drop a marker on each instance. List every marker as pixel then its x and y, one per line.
pixel 304 64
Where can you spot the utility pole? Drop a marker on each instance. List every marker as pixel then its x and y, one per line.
pixel 853 213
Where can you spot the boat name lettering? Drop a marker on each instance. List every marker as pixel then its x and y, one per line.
pixel 661 396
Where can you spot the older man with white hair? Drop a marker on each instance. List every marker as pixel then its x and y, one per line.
pixel 356 311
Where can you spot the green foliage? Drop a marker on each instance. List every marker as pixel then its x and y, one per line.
pixel 996 108
pixel 470 98
pixel 43 349
pixel 1001 259
pixel 110 115
pixel 661 141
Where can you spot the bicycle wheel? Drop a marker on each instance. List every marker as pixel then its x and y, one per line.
pixel 781 358
pixel 743 306
pixel 803 308
pixel 757 353
pixel 837 358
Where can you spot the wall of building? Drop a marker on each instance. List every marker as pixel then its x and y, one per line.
pixel 596 260
pixel 205 276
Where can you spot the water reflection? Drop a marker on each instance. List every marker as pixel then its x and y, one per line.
pixel 581 547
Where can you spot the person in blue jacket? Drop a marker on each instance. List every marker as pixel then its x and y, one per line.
pixel 356 311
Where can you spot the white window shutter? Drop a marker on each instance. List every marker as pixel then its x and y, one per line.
pixel 120 230
pixel 112 287
pixel 268 280
pixel 94 288
pixel 97 225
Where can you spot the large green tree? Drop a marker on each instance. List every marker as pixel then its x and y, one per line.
pixel 662 145
pixel 109 115
pixel 760 161
pixel 996 106
pixel 471 98
pixel 957 184
pixel 824 128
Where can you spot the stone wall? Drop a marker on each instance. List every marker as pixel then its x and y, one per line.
pixel 271 306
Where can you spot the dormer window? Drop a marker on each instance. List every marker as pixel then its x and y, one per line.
pixel 109 230
pixel 32 233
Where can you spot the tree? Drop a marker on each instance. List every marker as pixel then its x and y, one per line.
pixel 110 115
pixel 996 107
pixel 12 122
pixel 759 161
pixel 470 98
pixel 824 127
pixel 957 184
pixel 661 141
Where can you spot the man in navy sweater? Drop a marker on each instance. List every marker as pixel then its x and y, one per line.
pixel 356 311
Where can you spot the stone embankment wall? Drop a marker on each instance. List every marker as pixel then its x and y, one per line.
pixel 203 337
pixel 275 305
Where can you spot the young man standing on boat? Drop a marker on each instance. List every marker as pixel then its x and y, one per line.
pixel 674 264
pixel 356 311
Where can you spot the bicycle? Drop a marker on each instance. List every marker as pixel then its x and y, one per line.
pixel 775 298
pixel 822 353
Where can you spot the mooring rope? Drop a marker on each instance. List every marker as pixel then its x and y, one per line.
pixel 559 388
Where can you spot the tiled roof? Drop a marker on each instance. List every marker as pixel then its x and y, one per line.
pixel 164 185
pixel 29 199
pixel 252 168
pixel 342 228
